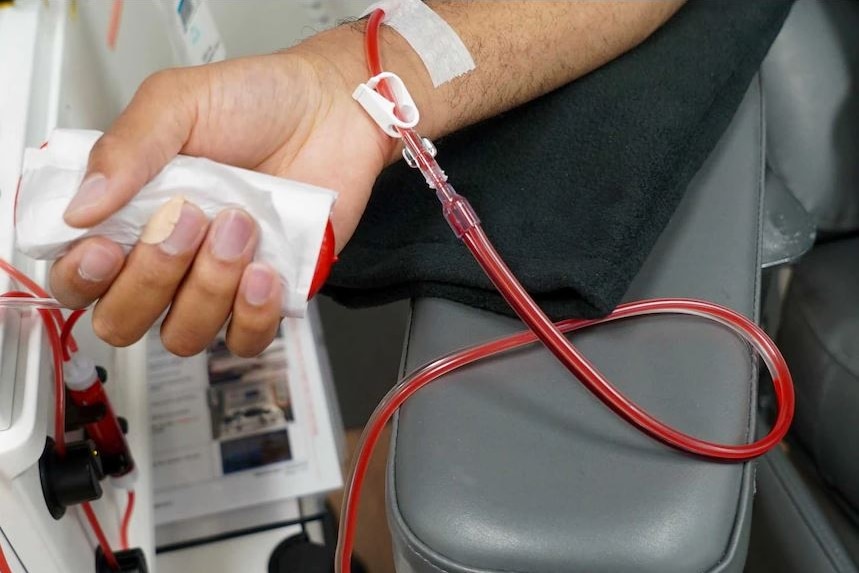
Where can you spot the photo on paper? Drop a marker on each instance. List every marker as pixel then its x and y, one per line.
pixel 230 433
pixel 250 406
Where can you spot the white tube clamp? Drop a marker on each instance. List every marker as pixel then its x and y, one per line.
pixel 381 109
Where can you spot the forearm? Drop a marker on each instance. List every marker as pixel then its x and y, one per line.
pixel 522 50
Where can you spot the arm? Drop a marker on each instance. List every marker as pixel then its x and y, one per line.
pixel 522 50
pixel 291 114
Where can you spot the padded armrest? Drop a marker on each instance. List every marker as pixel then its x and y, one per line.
pixel 511 465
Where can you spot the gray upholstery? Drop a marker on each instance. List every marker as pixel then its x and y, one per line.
pixel 796 527
pixel 811 80
pixel 789 230
pixel 511 465
pixel 819 337
pixel 805 516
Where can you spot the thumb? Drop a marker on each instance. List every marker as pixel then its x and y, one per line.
pixel 144 138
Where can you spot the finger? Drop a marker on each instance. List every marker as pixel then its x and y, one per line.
pixel 256 311
pixel 148 134
pixel 152 274
pixel 203 303
pixel 86 271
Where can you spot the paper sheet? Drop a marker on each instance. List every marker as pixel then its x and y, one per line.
pixel 229 432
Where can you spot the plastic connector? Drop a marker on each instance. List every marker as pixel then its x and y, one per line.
pixel 86 391
pixel 390 117
pixel 458 212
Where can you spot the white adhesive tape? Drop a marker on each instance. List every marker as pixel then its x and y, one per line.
pixel 437 44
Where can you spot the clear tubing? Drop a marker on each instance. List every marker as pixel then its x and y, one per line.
pixel 62 344
pixel 35 302
pixel 37 290
pixel 465 224
pixel 92 518
pixel 736 322
pixel 66 333
pixel 53 335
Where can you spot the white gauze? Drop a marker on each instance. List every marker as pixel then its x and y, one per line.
pixel 291 216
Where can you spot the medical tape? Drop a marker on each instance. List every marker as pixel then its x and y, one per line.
pixel 438 45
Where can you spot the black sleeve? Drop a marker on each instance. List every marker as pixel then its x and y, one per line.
pixel 575 187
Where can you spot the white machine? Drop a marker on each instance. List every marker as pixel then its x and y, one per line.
pixel 57 69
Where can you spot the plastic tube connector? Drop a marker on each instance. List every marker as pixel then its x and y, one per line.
pixel 86 390
pixel 390 117
pixel 80 373
pixel 458 212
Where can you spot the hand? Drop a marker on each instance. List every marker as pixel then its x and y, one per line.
pixel 288 114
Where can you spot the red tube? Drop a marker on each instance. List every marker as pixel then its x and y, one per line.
pixel 66 334
pixel 106 432
pixel 91 517
pixel 34 287
pixel 444 365
pixel 371 45
pixel 465 224
pixel 54 325
pixel 86 390
pixel 4 565
pixel 113 25
pixel 53 336
pixel 126 520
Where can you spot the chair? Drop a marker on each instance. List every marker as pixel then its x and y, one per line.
pixel 806 516
pixel 511 465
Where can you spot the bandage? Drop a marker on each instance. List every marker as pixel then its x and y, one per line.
pixel 292 216
pixel 438 45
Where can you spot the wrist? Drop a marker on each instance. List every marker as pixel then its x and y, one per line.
pixel 343 48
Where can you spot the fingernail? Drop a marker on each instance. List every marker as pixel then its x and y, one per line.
pixel 89 194
pixel 176 227
pixel 259 282
pixel 232 233
pixel 97 263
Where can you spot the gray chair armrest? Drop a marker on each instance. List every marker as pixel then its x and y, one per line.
pixel 788 231
pixel 511 465
pixel 797 526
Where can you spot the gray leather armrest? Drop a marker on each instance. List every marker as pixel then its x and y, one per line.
pixel 797 526
pixel 809 76
pixel 511 465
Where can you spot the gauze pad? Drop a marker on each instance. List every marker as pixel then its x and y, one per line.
pixel 291 216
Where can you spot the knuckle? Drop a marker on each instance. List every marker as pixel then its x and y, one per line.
pixel 244 348
pixel 181 346
pixel 181 342
pixel 257 328
pixel 111 331
pixel 103 144
pixel 213 289
pixel 154 278
pixel 247 338
pixel 158 81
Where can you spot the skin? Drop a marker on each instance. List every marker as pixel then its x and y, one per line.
pixel 291 114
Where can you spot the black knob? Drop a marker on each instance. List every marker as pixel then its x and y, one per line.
pixel 129 561
pixel 72 478
pixel 101 372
